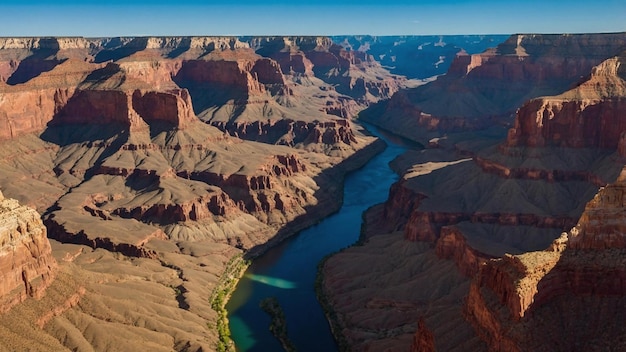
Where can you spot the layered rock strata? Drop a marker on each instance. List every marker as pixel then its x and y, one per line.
pixel 152 207
pixel 139 81
pixel 491 206
pixel 590 115
pixel 583 264
pixel 484 89
pixel 28 266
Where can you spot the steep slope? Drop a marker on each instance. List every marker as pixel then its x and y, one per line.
pixel 485 89
pixel 515 302
pixel 150 207
pixel 28 267
pixel 587 116
pixel 473 197
pixel 448 211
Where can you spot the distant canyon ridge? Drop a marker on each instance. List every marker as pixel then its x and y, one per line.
pixel 137 173
pixel 155 163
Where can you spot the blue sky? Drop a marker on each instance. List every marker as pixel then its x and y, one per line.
pixel 94 18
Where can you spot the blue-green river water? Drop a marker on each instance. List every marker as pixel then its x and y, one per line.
pixel 288 271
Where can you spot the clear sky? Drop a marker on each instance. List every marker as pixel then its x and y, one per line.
pixel 94 18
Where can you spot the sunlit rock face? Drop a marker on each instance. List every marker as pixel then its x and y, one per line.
pixel 156 163
pixel 26 262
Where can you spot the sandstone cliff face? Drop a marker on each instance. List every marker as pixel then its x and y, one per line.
pixel 354 73
pixel 103 136
pixel 423 341
pixel 28 267
pixel 291 133
pixel 602 224
pixel 589 115
pixel 135 82
pixel 453 245
pixel 585 262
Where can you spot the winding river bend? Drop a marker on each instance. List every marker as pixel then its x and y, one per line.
pixel 288 271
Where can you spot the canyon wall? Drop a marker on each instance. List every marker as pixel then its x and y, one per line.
pixel 589 115
pixel 28 267
pixel 146 202
pixel 531 221
pixel 585 263
pixel 484 89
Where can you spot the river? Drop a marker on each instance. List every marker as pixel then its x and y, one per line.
pixel 288 270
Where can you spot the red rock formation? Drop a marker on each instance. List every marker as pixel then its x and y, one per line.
pixel 26 262
pixel 354 73
pixel 453 245
pixel 483 89
pixel 494 167
pixel 100 107
pixel 400 204
pixel 602 224
pixel 586 262
pixel 70 302
pixel 245 76
pixel 202 208
pixel 590 115
pixel 59 232
pixel 424 340
pixel 29 107
pixel 172 106
pixel 290 132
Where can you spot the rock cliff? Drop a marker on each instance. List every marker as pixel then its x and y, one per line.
pixel 587 116
pixel 139 81
pixel 584 262
pixel 482 89
pixel 28 267
pixel 145 201
pixel 495 207
pixel 354 73
pixel 420 57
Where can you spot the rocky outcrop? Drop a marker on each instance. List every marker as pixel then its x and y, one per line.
pixel 585 262
pixel 402 212
pixel 248 77
pixel 28 267
pixel 602 225
pixel 482 89
pixel 60 232
pixel 29 107
pixel 354 73
pixel 100 107
pixel 198 209
pixel 426 226
pixel 133 109
pixel 290 132
pixel 424 340
pixel 453 245
pixel 172 106
pixel 555 175
pixel 136 82
pixel 400 204
pixel 590 115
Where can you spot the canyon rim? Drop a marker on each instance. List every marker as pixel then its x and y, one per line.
pixel 138 174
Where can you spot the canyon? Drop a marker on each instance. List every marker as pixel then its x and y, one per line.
pixel 157 166
pixel 504 234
